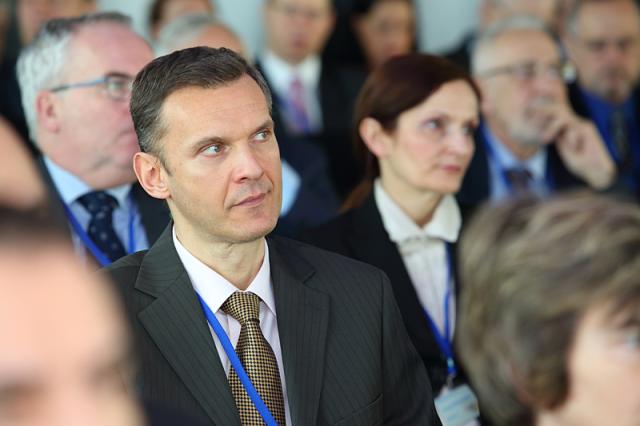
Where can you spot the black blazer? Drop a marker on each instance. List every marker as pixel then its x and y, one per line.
pixel 360 234
pixel 347 359
pixel 476 185
pixel 154 213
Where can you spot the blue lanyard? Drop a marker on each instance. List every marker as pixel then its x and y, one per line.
pixel 444 341
pixel 237 365
pixel 549 179
pixel 90 245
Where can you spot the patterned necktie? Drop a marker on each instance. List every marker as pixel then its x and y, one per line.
pixel 519 180
pixel 101 205
pixel 297 117
pixel 257 359
pixel 620 139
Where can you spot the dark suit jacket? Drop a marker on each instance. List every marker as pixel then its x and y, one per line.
pixel 360 234
pixel 580 107
pixel 154 213
pixel 476 186
pixel 338 89
pixel 347 359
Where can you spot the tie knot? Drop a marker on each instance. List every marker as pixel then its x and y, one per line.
pixel 98 202
pixel 243 306
pixel 519 178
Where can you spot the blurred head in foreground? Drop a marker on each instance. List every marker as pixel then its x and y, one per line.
pixel 549 321
pixel 65 357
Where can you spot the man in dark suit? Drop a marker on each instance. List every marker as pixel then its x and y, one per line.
pixel 75 81
pixel 313 100
pixel 319 336
pixel 530 139
pixel 603 41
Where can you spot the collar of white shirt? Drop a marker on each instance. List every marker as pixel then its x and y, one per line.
pixel 70 187
pixel 214 288
pixel 536 165
pixel 445 224
pixel 280 73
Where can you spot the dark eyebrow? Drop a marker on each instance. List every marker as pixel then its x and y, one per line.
pixel 18 388
pixel 268 124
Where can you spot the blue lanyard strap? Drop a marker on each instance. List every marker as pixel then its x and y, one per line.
pixel 444 341
pixel 237 364
pixel 90 245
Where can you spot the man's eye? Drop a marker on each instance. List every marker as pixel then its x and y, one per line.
pixel 213 149
pixel 262 135
pixel 434 124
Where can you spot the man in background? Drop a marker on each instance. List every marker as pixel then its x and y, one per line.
pixel 75 80
pixel 603 41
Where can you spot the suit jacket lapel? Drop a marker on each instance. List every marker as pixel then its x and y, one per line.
pixel 303 316
pixel 177 325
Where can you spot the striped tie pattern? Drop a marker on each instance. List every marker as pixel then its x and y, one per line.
pixel 257 359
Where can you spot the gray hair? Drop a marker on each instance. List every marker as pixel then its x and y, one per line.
pixel 184 29
pixel 41 64
pixel 487 37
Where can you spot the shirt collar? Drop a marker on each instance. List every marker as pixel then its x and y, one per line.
pixel 536 165
pixel 71 187
pixel 280 73
pixel 444 225
pixel 214 288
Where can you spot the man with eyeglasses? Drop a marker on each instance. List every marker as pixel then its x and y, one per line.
pixel 603 40
pixel 530 139
pixel 313 99
pixel 75 80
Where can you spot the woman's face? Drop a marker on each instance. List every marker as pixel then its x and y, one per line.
pixel 432 144
pixel 386 31
pixel 604 374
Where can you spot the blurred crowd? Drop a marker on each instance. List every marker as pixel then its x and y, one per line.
pixel 496 185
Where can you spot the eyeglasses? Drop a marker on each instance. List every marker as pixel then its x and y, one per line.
pixel 528 71
pixel 117 85
pixel 623 44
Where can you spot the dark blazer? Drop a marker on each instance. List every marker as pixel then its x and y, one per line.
pixel 360 234
pixel 347 359
pixel 337 91
pixel 476 185
pixel 154 213
pixel 580 107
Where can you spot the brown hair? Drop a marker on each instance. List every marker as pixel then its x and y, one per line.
pixel 398 85
pixel 530 271
pixel 203 67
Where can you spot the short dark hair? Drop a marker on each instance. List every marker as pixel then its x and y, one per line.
pixel 396 86
pixel 203 67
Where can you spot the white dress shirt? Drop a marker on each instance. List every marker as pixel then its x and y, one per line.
pixel 280 74
pixel 504 159
pixel 215 290
pixel 70 188
pixel 424 250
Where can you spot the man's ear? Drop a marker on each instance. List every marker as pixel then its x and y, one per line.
pixel 151 174
pixel 375 137
pixel 48 111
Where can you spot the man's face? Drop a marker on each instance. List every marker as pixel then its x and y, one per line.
pixel 297 28
pixel 605 47
pixel 603 370
pixel 176 8
pixel 222 167
pixel 520 75
pixel 95 138
pixel 65 358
